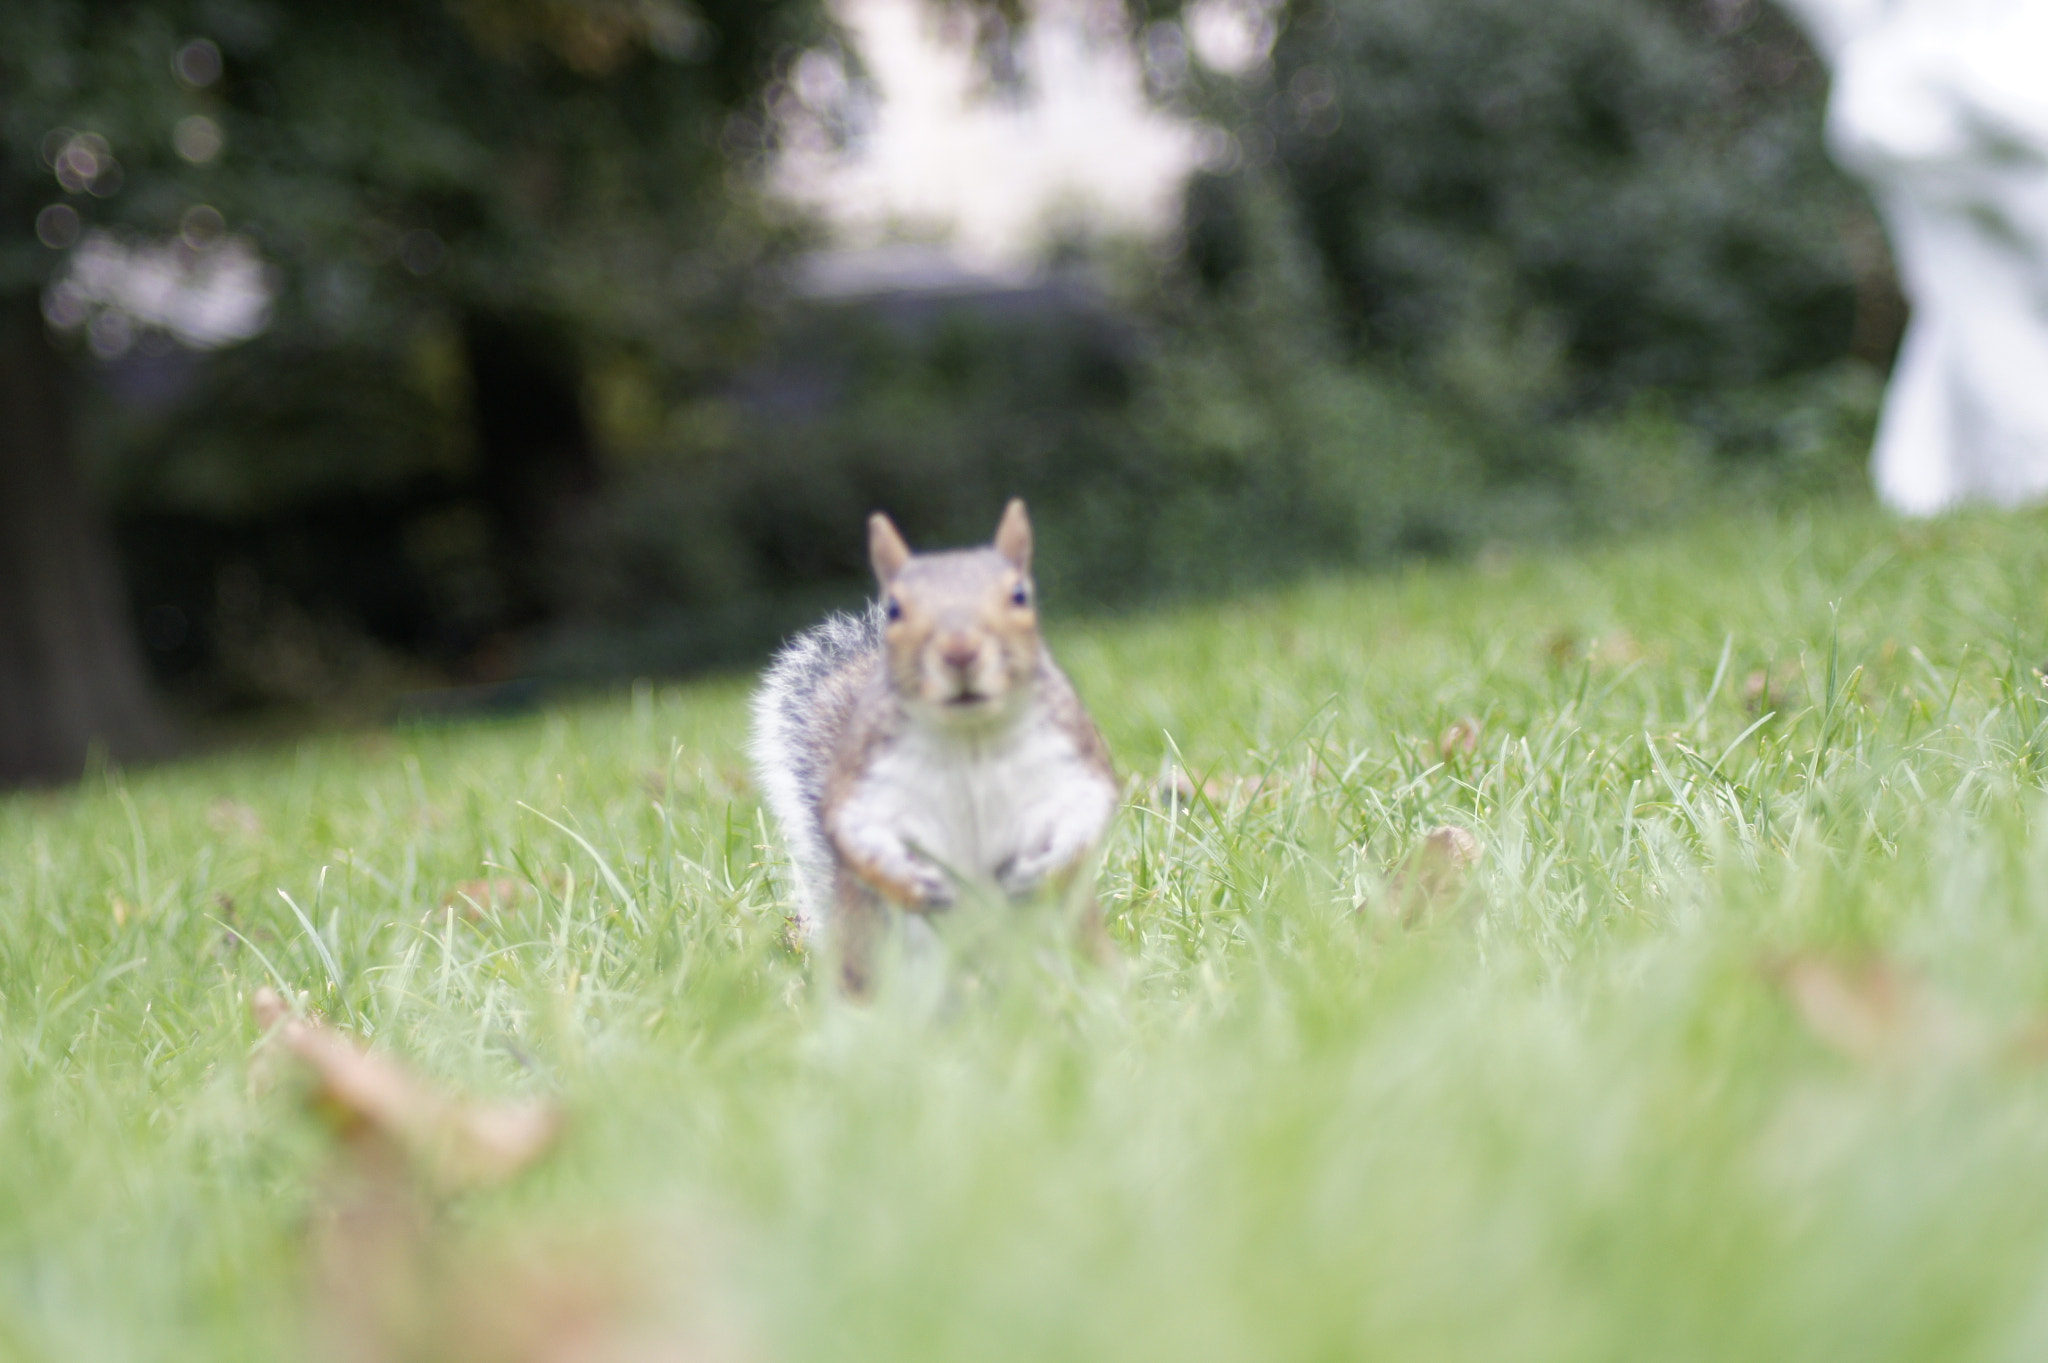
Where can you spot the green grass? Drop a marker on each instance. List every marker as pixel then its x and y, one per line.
pixel 1573 1115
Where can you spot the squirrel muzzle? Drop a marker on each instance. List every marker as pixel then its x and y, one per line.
pixel 963 669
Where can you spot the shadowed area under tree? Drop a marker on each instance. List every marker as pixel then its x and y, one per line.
pixel 537 464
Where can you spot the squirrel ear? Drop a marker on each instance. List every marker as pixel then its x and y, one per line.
pixel 886 549
pixel 1013 536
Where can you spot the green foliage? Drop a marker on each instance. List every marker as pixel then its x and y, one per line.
pixel 1158 460
pixel 399 167
pixel 564 156
pixel 1191 443
pixel 1481 273
pixel 1574 1114
pixel 574 174
pixel 1577 199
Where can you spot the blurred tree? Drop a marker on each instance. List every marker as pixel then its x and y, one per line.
pixel 1535 206
pixel 532 172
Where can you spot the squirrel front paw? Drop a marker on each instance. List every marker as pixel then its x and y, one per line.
pixel 1024 874
pixel 1013 881
pixel 930 890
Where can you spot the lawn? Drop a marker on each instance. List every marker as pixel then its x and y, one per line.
pixel 1732 1044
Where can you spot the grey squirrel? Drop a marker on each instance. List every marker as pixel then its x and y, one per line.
pixel 928 748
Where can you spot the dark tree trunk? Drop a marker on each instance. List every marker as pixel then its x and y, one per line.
pixel 71 673
pixel 536 462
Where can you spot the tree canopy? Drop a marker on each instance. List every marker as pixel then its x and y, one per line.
pixel 529 171
pixel 508 153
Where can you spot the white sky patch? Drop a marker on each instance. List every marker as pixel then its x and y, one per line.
pixel 942 154
pixel 1231 36
pixel 206 297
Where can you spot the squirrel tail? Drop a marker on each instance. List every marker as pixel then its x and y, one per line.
pixel 803 704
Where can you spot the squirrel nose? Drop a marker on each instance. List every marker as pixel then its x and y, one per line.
pixel 960 655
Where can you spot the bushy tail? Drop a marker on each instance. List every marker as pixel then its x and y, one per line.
pixel 798 714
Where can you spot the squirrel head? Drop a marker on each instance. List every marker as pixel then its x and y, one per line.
pixel 960 628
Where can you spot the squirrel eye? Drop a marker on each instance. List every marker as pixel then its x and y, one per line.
pixel 1021 596
pixel 893 609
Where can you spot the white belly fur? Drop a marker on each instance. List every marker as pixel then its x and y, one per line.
pixel 972 803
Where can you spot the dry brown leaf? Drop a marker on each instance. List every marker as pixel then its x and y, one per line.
pixel 1618 649
pixel 228 816
pixel 370 1257
pixel 392 1280
pixel 2026 1044
pixel 1435 873
pixel 1763 691
pixel 1870 1010
pixel 623 1296
pixel 1561 647
pixel 1565 648
pixel 453 1143
pixel 494 894
pixel 1177 788
pixel 1461 737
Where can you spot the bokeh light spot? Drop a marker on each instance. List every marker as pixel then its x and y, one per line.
pixel 202 226
pixel 202 295
pixel 53 144
pixel 110 334
pixel 197 138
pixel 66 307
pixel 83 158
pixel 1232 37
pixel 197 63
pixel 819 79
pixel 57 226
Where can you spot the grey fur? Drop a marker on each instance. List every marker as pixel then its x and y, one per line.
pixel 803 705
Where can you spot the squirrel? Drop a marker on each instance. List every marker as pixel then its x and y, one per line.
pixel 929 747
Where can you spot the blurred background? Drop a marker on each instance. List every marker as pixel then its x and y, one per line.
pixel 362 358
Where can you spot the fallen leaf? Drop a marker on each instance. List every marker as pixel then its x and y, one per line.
pixel 1177 788
pixel 603 1296
pixel 1461 737
pixel 229 816
pixel 454 1143
pixel 1561 647
pixel 1435 873
pixel 1869 1010
pixel 1762 690
pixel 1618 649
pixel 478 898
pixel 393 1280
pixel 1565 648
